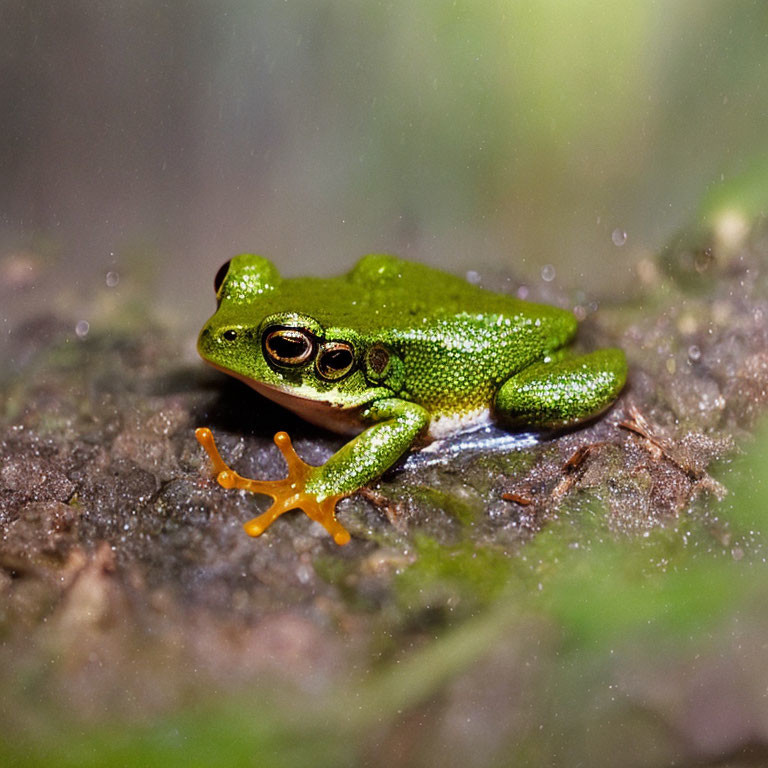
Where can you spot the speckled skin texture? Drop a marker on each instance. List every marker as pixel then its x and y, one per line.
pixel 563 392
pixel 418 347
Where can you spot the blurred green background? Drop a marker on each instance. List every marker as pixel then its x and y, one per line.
pixel 158 139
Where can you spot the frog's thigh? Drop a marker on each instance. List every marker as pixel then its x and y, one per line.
pixel 562 392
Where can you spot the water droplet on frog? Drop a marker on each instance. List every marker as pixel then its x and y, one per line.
pixel 82 328
pixel 618 237
pixel 473 278
pixel 548 273
pixel 112 279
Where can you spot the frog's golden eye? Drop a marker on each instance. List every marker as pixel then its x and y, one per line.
pixel 335 359
pixel 288 346
pixel 220 275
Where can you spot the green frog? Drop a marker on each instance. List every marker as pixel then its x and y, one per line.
pixel 394 354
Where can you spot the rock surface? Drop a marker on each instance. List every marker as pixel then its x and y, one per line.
pixel 499 600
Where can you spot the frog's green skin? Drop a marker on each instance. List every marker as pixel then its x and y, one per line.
pixel 396 353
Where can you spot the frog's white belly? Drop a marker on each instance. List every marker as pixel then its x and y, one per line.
pixel 445 424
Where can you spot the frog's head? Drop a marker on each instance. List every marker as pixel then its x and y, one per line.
pixel 260 335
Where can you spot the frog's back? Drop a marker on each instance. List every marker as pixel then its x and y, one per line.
pixel 410 300
pixel 404 294
pixel 384 294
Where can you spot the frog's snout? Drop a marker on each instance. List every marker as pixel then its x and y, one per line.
pixel 203 340
pixel 224 345
pixel 211 341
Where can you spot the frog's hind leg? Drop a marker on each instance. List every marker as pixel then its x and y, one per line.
pixel 562 392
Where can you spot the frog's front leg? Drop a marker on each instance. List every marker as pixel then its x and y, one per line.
pixel 394 424
pixel 562 392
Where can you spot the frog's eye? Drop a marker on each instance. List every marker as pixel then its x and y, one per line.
pixel 220 275
pixel 335 359
pixel 288 346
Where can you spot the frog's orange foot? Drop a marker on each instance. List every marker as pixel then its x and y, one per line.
pixel 288 493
